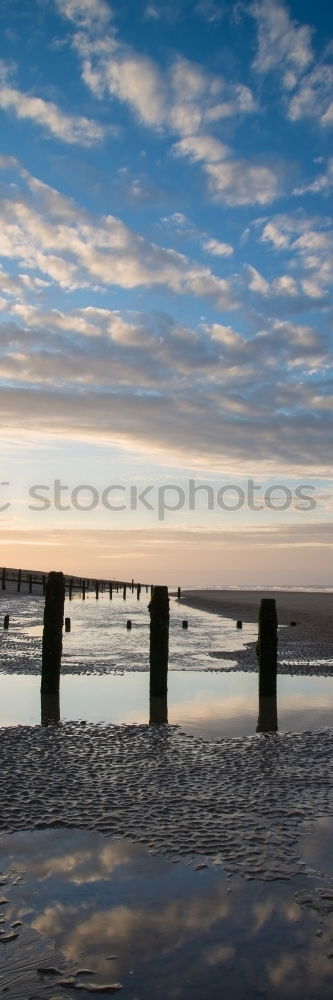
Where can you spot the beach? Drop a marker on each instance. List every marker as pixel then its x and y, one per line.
pixel 313 610
pixel 192 853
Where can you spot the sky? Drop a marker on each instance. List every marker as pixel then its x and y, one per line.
pixel 166 259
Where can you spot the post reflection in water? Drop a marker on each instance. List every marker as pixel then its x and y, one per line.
pixel 50 708
pixel 267 721
pixel 158 709
pixel 267 718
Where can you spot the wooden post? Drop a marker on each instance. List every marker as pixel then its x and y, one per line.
pixel 110 590
pixel 267 648
pixel 132 586
pixel 70 588
pixel 158 710
pixel 267 718
pixel 138 591
pixel 239 623
pixel 124 592
pixel 6 622
pixel 30 583
pixel 67 624
pixel 83 590
pixel 19 575
pixel 128 624
pixel 52 632
pixel 50 708
pixel 185 623
pixel 3 579
pixel 178 593
pixel 117 587
pixel 159 641
pixel 97 589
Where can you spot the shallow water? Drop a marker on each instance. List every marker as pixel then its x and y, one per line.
pixel 213 687
pixel 210 705
pixel 100 643
pixel 196 853
pixel 158 929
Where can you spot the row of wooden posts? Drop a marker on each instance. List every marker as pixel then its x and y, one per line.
pixel 53 630
pixel 159 639
pixel 80 584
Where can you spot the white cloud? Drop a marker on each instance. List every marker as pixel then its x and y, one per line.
pixel 313 96
pixel 321 185
pixel 217 249
pixel 69 128
pixel 257 283
pixel 238 182
pixel 92 14
pixel 281 41
pixel 49 233
pixel 327 117
pixel 309 241
pixel 213 373
pixel 285 285
pixel 201 147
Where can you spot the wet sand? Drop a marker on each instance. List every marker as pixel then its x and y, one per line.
pixel 314 610
pixel 305 648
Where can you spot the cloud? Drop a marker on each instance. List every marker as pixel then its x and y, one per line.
pixel 309 242
pixel 282 43
pixel 257 283
pixel 216 248
pixel 146 381
pixel 66 127
pixel 91 14
pixel 238 182
pixel 69 128
pixel 313 96
pixel 181 100
pixel 48 233
pixel 201 147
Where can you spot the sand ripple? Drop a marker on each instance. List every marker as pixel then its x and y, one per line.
pixel 239 802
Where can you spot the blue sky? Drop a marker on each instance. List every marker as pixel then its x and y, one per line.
pixel 166 247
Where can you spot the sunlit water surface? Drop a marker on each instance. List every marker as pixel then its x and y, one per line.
pixel 105 670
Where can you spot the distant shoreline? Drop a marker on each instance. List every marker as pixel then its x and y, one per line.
pixel 311 609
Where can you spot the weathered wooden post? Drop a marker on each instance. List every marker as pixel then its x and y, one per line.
pixel 267 718
pixel 138 591
pixel 70 589
pixel 117 587
pixel 239 623
pixel 67 624
pixel 124 592
pixel 52 632
pixel 158 710
pixel 178 593
pixel 132 586
pixel 19 575
pixel 6 622
pixel 267 648
pixel 50 708
pixel 128 624
pixel 30 583
pixel 185 623
pixel 97 589
pixel 3 579
pixel 110 590
pixel 159 641
pixel 83 590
